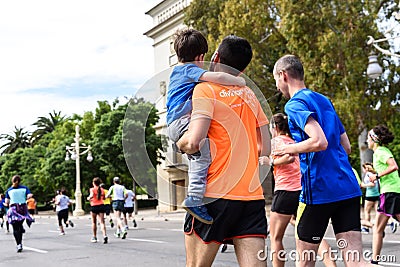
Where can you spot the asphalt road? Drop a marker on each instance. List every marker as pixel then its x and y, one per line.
pixel 157 241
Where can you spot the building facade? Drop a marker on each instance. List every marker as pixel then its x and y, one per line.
pixel 172 173
pixel 172 179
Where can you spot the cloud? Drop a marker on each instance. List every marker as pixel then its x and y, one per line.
pixel 65 54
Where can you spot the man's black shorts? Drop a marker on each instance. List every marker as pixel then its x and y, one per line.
pixel 128 210
pixel 312 220
pixel 285 202
pixel 232 219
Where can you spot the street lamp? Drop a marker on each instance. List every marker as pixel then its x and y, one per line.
pixel 374 70
pixel 74 151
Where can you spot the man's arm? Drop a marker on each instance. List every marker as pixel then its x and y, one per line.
pixel 191 141
pixel 263 141
pixel 345 142
pixel 222 78
pixel 316 141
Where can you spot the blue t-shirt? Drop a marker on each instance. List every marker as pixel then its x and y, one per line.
pixel 181 83
pixel 17 195
pixel 327 175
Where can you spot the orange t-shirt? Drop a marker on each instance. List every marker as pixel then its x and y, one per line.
pixel 288 176
pixel 31 203
pixel 94 201
pixel 236 113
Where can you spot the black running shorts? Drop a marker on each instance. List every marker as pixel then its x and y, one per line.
pixel 285 202
pixel 312 220
pixel 232 219
pixel 98 209
pixel 389 204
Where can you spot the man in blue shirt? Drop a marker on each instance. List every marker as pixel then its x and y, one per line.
pixel 330 190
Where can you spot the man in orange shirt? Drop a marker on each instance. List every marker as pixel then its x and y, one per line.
pixel 31 205
pixel 237 128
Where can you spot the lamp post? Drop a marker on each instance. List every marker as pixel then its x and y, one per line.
pixel 74 151
pixel 374 70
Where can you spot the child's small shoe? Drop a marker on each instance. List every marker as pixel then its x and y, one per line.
pixel 196 208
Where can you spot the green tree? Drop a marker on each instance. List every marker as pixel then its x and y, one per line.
pixel 19 139
pixel 141 144
pixel 46 125
pixel 330 38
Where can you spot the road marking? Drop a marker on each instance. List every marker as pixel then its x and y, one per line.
pixel 159 229
pixel 147 240
pixel 35 250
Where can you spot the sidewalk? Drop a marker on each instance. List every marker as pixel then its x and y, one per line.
pixel 144 215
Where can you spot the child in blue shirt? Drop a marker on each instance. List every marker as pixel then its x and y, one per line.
pixel 190 47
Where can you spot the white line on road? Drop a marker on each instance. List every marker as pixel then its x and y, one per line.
pixel 35 250
pixel 147 240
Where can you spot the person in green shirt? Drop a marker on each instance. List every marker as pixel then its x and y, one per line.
pixel 387 172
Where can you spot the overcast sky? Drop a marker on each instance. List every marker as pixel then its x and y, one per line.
pixel 65 55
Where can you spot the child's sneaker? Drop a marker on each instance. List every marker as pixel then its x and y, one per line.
pixel 197 209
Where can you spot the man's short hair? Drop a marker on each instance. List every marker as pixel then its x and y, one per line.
pixel 189 44
pixel 116 180
pixel 292 65
pixel 235 52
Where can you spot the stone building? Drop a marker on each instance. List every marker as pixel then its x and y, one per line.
pixel 167 17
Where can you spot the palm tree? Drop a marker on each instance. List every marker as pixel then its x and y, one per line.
pixel 46 125
pixel 19 139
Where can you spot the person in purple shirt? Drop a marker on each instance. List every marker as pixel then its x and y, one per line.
pixel 15 199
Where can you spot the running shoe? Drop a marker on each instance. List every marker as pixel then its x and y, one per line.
pixel 71 223
pixel 62 233
pixel 196 208
pixel 364 230
pixel 118 235
pixel 19 248
pixel 2 224
pixel 124 234
pixel 393 227
pixel 126 227
pixel 134 223
pixel 224 248
pixel 105 240
pixel 111 223
pixel 93 240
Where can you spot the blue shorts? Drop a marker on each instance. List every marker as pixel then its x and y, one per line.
pixel 118 205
